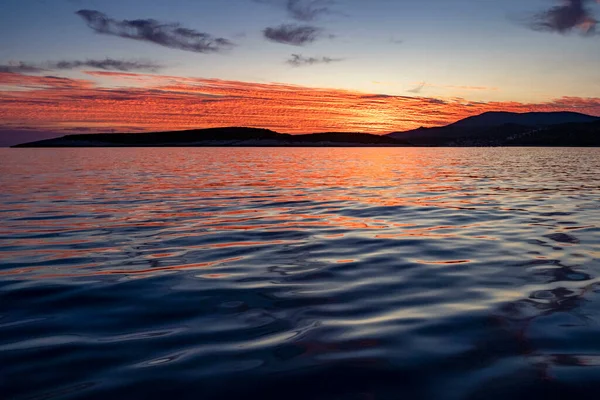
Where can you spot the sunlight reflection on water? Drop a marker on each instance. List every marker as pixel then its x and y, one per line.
pixel 299 273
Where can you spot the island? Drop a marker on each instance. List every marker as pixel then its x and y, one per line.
pixel 488 129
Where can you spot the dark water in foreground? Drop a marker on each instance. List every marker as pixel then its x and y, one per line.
pixel 300 273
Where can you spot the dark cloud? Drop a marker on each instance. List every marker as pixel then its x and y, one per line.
pixel 303 10
pixel 298 60
pixel 20 68
pixel 378 96
pixel 570 15
pixel 297 35
pixel 417 89
pixel 308 10
pixel 435 101
pixel 171 35
pixel 108 64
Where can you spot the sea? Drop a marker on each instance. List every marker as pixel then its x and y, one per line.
pixel 300 273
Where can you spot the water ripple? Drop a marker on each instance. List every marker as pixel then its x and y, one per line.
pixel 299 273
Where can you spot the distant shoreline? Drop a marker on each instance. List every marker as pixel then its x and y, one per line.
pixel 492 129
pixel 306 147
pixel 224 147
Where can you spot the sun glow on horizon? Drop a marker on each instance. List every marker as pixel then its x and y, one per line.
pixel 130 102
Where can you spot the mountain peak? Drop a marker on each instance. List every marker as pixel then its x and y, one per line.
pixel 497 128
pixel 532 119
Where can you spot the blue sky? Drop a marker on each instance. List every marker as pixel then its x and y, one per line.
pixel 386 45
pixel 295 66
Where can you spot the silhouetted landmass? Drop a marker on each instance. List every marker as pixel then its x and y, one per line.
pixel 511 129
pixel 560 135
pixel 498 118
pixel 347 137
pixel 232 136
pixel 488 129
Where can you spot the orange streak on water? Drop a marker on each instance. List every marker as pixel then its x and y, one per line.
pixel 130 271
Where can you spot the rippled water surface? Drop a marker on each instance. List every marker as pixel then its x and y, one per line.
pixel 300 273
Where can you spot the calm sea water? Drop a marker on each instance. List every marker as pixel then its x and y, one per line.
pixel 300 273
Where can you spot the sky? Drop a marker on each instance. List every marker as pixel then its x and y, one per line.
pixel 294 66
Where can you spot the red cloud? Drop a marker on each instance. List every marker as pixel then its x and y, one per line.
pixel 160 102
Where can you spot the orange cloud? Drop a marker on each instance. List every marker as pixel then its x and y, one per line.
pixel 143 102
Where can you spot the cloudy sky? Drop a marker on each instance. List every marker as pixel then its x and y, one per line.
pixel 291 65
